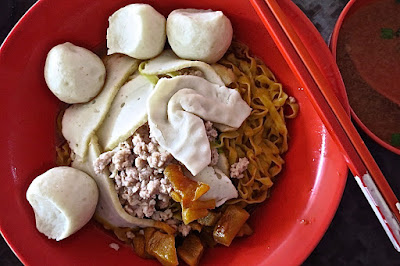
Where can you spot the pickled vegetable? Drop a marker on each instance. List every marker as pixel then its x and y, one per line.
pixel 191 250
pixel 165 227
pixel 206 236
pixel 161 246
pixel 187 189
pixel 196 226
pixel 201 204
pixel 148 233
pixel 210 220
pixel 190 215
pixel 229 225
pixel 245 230
pixel 187 192
pixel 139 246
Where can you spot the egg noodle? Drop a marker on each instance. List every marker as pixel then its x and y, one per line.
pixel 63 151
pixel 263 136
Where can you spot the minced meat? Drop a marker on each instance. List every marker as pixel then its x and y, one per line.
pixel 211 132
pixel 237 169
pixel 136 166
pixel 214 157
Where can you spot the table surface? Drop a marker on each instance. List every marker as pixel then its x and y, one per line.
pixel 355 236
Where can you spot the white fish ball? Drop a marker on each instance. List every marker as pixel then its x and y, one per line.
pixel 74 74
pixel 196 34
pixel 136 30
pixel 64 200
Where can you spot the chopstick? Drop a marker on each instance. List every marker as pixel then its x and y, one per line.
pixel 321 94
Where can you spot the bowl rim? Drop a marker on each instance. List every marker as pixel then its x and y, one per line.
pixel 327 219
pixel 17 24
pixel 333 47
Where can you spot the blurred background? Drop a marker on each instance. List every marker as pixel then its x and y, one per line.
pixel 355 236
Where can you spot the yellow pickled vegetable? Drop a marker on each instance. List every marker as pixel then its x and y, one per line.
pixel 139 245
pixel 188 189
pixel 191 250
pixel 196 226
pixel 229 225
pixel 245 230
pixel 187 192
pixel 206 236
pixel 190 215
pixel 210 220
pixel 161 246
pixel 165 227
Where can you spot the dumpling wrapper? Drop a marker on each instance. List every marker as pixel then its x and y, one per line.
pixel 127 112
pixel 168 62
pixel 108 209
pixel 175 112
pixel 221 187
pixel 80 121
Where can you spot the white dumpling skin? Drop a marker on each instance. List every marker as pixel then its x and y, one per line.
pixel 109 209
pixel 74 74
pixel 64 200
pixel 136 30
pixel 196 34
pixel 221 187
pixel 177 109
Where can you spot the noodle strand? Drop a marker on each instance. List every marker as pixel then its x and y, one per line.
pixel 263 137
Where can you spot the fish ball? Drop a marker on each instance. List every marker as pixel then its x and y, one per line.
pixel 136 30
pixel 74 74
pixel 63 199
pixel 195 34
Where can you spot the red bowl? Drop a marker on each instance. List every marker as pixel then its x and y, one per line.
pixel 287 227
pixel 352 7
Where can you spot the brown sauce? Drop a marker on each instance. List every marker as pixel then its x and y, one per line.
pixel 370 65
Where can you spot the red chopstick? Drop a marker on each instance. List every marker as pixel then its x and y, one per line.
pixel 321 94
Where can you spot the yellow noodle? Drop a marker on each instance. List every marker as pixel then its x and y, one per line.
pixel 63 155
pixel 63 152
pixel 263 137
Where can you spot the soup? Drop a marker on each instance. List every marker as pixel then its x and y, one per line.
pixel 368 55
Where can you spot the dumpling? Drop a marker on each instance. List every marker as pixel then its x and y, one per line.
pixel 74 74
pixel 176 110
pixel 196 34
pixel 137 30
